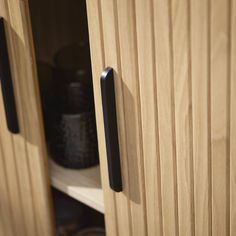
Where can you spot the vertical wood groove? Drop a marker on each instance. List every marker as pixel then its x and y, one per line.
pixel 158 166
pixel 142 176
pixel 112 57
pixel 219 103
pixel 18 184
pixel 11 178
pixel 191 162
pixel 36 227
pixel 182 113
pixel 124 162
pixel 200 98
pixel 29 143
pixel 139 105
pixel 10 138
pixel 101 33
pixel 105 63
pixel 139 111
pixel 6 208
pixel 170 13
pixel 183 86
pixel 149 116
pixel 24 160
pixel 233 120
pixel 96 34
pixel 138 100
pixel 228 96
pixel 210 202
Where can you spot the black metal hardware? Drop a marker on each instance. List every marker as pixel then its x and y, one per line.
pixel 6 83
pixel 111 132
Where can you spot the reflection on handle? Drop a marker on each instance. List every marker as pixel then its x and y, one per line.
pixel 111 133
pixel 6 84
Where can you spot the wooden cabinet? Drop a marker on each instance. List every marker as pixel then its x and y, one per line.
pixel 174 63
pixel 175 97
pixel 25 207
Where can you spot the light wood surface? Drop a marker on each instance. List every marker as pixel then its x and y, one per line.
pixel 174 69
pixel 129 85
pixel 109 17
pixel 166 116
pixel 5 203
pixel 201 115
pixel 233 121
pixel 183 114
pixel 23 156
pixel 82 185
pixel 146 59
pixel 98 64
pixel 175 91
pixel 219 66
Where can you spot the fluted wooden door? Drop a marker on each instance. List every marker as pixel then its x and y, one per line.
pixel 176 102
pixel 25 208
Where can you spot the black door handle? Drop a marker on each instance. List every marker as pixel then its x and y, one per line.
pixel 111 132
pixel 6 83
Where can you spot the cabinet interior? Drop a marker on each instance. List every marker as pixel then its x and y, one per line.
pixel 56 24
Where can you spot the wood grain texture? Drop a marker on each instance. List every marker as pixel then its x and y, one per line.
pixel 201 115
pixel 5 204
pixel 11 172
pixel 183 114
pixel 219 116
pixel 6 193
pixel 26 166
pixel 149 122
pixel 22 165
pixel 175 92
pixel 131 105
pixel 112 58
pixel 11 178
pixel 233 120
pixel 175 106
pixel 98 65
pixel 166 116
pixel 173 58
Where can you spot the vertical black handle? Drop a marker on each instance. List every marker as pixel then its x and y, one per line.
pixel 111 132
pixel 6 83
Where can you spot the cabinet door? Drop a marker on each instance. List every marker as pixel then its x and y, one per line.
pixel 25 208
pixel 175 92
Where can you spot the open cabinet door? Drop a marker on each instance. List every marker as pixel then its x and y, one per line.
pixel 25 207
pixel 174 64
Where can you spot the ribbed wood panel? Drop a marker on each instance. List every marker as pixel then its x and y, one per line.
pixel 233 120
pixel 219 96
pixel 24 200
pixel 98 64
pixel 176 92
pixel 201 116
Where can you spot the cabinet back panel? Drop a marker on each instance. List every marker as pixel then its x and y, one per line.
pixel 57 23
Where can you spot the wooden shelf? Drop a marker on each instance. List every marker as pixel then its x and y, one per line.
pixel 82 185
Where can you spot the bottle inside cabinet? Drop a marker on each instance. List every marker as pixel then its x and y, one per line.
pixel 60 33
pixel 61 41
